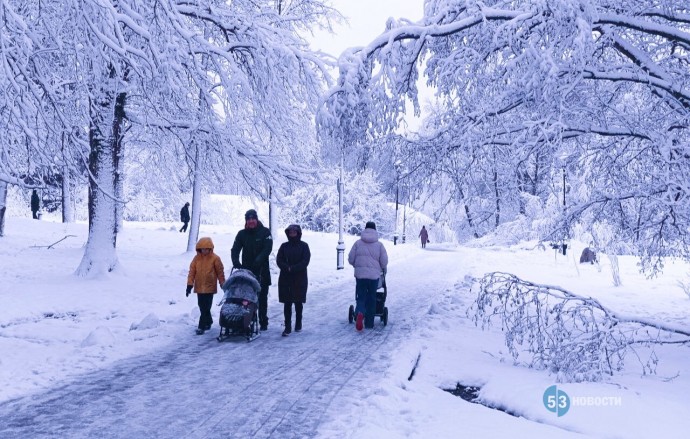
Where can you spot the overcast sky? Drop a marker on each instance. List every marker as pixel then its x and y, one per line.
pixel 367 19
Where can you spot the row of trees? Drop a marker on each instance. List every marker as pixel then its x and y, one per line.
pixel 204 90
pixel 582 105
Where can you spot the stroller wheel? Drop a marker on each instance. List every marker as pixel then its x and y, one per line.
pixel 351 314
pixel 384 316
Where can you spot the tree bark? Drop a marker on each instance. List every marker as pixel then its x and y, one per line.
pixel 67 209
pixel 118 160
pixel 196 202
pixel 497 194
pixel 3 206
pixel 107 116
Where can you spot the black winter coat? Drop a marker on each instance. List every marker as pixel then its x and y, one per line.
pixel 256 246
pixel 184 214
pixel 35 201
pixel 292 259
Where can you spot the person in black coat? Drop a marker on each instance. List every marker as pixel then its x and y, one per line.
pixel 292 259
pixel 184 217
pixel 255 243
pixel 35 203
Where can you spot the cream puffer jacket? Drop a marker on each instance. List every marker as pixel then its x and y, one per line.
pixel 368 256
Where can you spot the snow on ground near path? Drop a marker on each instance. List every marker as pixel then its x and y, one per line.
pixel 116 354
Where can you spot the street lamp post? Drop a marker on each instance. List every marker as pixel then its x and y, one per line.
pixel 340 248
pixel 397 198
pixel 406 197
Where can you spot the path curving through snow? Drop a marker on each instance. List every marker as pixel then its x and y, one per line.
pixel 281 387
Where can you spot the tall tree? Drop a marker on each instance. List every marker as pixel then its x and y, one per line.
pixel 210 67
pixel 597 82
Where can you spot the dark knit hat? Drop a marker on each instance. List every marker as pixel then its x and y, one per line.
pixel 251 213
pixel 370 225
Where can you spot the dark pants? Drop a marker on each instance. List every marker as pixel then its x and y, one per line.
pixel 263 305
pixel 287 312
pixel 365 293
pixel 35 213
pixel 205 301
pixel 184 226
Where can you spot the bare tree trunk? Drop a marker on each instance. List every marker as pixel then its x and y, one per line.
pixel 468 213
pixel 67 209
pixel 497 213
pixel 118 160
pixel 272 212
pixel 3 206
pixel 615 270
pixel 196 202
pixel 107 117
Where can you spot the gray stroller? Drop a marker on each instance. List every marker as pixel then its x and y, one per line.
pixel 239 312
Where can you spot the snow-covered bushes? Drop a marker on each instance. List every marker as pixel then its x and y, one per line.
pixel 316 207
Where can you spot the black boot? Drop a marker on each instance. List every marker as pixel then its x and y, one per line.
pixel 287 330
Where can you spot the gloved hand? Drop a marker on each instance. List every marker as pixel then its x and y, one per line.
pixel 189 290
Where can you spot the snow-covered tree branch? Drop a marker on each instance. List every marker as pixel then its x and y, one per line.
pixel 574 337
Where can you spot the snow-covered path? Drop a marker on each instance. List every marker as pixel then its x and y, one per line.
pixel 273 387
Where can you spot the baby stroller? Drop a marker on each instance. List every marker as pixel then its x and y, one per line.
pixel 239 313
pixel 381 308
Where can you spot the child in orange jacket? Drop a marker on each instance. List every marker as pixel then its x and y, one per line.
pixel 206 268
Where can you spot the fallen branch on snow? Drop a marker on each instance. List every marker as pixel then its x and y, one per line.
pixel 575 337
pixel 56 242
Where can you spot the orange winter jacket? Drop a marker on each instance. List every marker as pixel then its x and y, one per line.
pixel 206 271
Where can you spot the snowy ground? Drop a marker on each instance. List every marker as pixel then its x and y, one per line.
pixel 116 356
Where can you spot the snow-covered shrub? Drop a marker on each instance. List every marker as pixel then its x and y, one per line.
pixel 316 207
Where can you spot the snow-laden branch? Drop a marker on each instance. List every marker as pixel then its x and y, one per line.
pixel 675 88
pixel 574 337
pixel 648 27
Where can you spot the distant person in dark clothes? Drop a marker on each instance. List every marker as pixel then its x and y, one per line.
pixel 292 259
pixel 424 236
pixel 35 203
pixel 205 273
pixel 184 217
pixel 255 243
pixel 588 256
pixel 370 260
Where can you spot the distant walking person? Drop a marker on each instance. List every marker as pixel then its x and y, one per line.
pixel 184 217
pixel 35 203
pixel 424 235
pixel 370 260
pixel 205 270
pixel 292 259
pixel 255 243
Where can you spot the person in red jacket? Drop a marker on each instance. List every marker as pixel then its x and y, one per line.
pixel 205 270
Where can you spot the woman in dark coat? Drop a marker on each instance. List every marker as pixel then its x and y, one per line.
pixel 292 259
